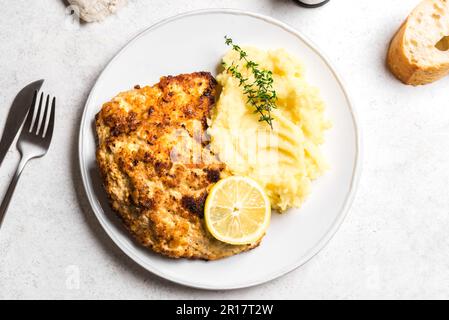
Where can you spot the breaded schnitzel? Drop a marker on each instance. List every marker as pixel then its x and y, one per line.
pixel 157 168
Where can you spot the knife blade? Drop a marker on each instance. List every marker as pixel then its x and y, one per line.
pixel 16 116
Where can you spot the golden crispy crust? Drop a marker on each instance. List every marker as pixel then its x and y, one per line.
pixel 156 167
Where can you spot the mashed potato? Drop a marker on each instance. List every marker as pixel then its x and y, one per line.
pixel 285 159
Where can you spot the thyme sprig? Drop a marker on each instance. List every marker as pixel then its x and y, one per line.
pixel 259 92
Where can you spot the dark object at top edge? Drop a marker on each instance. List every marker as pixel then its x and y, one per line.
pixel 305 5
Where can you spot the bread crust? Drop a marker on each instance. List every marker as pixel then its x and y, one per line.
pixel 407 69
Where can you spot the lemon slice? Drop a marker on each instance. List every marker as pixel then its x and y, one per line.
pixel 237 211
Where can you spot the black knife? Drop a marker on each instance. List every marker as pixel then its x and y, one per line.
pixel 16 116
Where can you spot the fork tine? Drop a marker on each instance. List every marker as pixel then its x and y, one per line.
pixel 42 123
pixel 30 116
pixel 38 115
pixel 48 133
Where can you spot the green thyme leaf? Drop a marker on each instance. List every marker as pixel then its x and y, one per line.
pixel 260 93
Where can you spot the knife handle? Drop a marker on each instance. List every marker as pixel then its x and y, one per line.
pixel 12 186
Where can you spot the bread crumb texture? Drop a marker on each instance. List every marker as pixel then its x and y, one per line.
pixel 157 168
pixel 418 53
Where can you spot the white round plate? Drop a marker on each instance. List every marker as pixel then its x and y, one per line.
pixel 195 42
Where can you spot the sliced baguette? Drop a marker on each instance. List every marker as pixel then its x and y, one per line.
pixel 418 52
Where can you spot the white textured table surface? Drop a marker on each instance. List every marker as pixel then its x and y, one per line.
pixel 394 242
